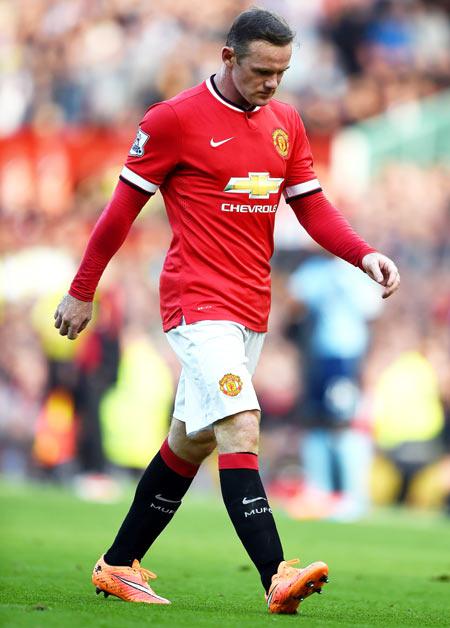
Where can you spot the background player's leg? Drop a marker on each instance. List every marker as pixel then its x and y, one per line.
pixel 159 492
pixel 243 493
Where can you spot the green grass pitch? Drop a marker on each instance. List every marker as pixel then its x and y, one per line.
pixel 390 571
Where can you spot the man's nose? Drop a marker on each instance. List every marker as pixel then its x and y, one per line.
pixel 271 83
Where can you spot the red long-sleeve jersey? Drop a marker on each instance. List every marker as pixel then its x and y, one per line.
pixel 221 170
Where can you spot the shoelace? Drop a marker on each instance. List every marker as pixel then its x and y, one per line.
pixel 146 574
pixel 287 567
pixel 293 561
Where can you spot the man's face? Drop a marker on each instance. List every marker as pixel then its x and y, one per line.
pixel 257 75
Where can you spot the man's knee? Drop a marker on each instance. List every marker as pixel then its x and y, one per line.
pixel 193 448
pixel 239 432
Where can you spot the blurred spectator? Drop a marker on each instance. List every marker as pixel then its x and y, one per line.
pixel 408 416
pixel 97 362
pixel 278 397
pixel 106 62
pixel 336 302
pixel 135 412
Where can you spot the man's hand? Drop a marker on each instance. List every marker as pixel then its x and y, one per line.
pixel 72 316
pixel 382 270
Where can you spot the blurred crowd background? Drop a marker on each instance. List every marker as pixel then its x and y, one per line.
pixel 355 391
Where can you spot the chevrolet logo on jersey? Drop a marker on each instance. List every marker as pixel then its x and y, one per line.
pixel 256 185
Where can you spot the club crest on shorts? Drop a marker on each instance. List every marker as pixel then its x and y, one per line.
pixel 231 385
pixel 137 150
pixel 281 142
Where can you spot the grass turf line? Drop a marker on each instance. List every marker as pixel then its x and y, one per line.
pixel 391 571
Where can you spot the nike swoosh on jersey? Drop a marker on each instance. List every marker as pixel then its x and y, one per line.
pixel 171 501
pixel 216 144
pixel 246 501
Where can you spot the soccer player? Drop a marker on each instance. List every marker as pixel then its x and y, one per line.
pixel 222 153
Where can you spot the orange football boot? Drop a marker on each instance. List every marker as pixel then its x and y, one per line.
pixel 291 586
pixel 128 583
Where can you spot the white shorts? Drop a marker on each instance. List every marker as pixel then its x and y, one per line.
pixel 218 359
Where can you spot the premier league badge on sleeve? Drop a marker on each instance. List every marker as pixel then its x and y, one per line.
pixel 137 150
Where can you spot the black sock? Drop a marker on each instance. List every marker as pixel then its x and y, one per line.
pixel 250 513
pixel 158 496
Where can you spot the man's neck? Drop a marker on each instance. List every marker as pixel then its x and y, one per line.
pixel 224 84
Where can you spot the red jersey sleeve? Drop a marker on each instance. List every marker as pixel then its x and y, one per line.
pixel 108 235
pixel 301 179
pixel 328 227
pixel 155 150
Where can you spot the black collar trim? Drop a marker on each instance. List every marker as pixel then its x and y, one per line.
pixel 210 83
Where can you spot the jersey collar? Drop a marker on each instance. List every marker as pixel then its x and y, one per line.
pixel 210 84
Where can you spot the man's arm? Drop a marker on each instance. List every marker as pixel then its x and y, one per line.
pixel 328 227
pixel 75 309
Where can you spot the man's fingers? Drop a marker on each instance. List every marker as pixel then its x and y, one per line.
pixel 64 327
pixel 390 271
pixel 375 272
pixel 71 328
pixel 393 287
pixel 379 277
pixel 72 316
pixel 72 334
pixel 392 281
pixel 382 270
pixel 83 325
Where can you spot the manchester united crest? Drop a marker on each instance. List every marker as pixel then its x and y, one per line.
pixel 281 142
pixel 231 385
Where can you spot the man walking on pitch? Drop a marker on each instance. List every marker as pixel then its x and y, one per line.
pixel 222 153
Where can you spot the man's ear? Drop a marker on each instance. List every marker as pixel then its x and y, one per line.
pixel 228 56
